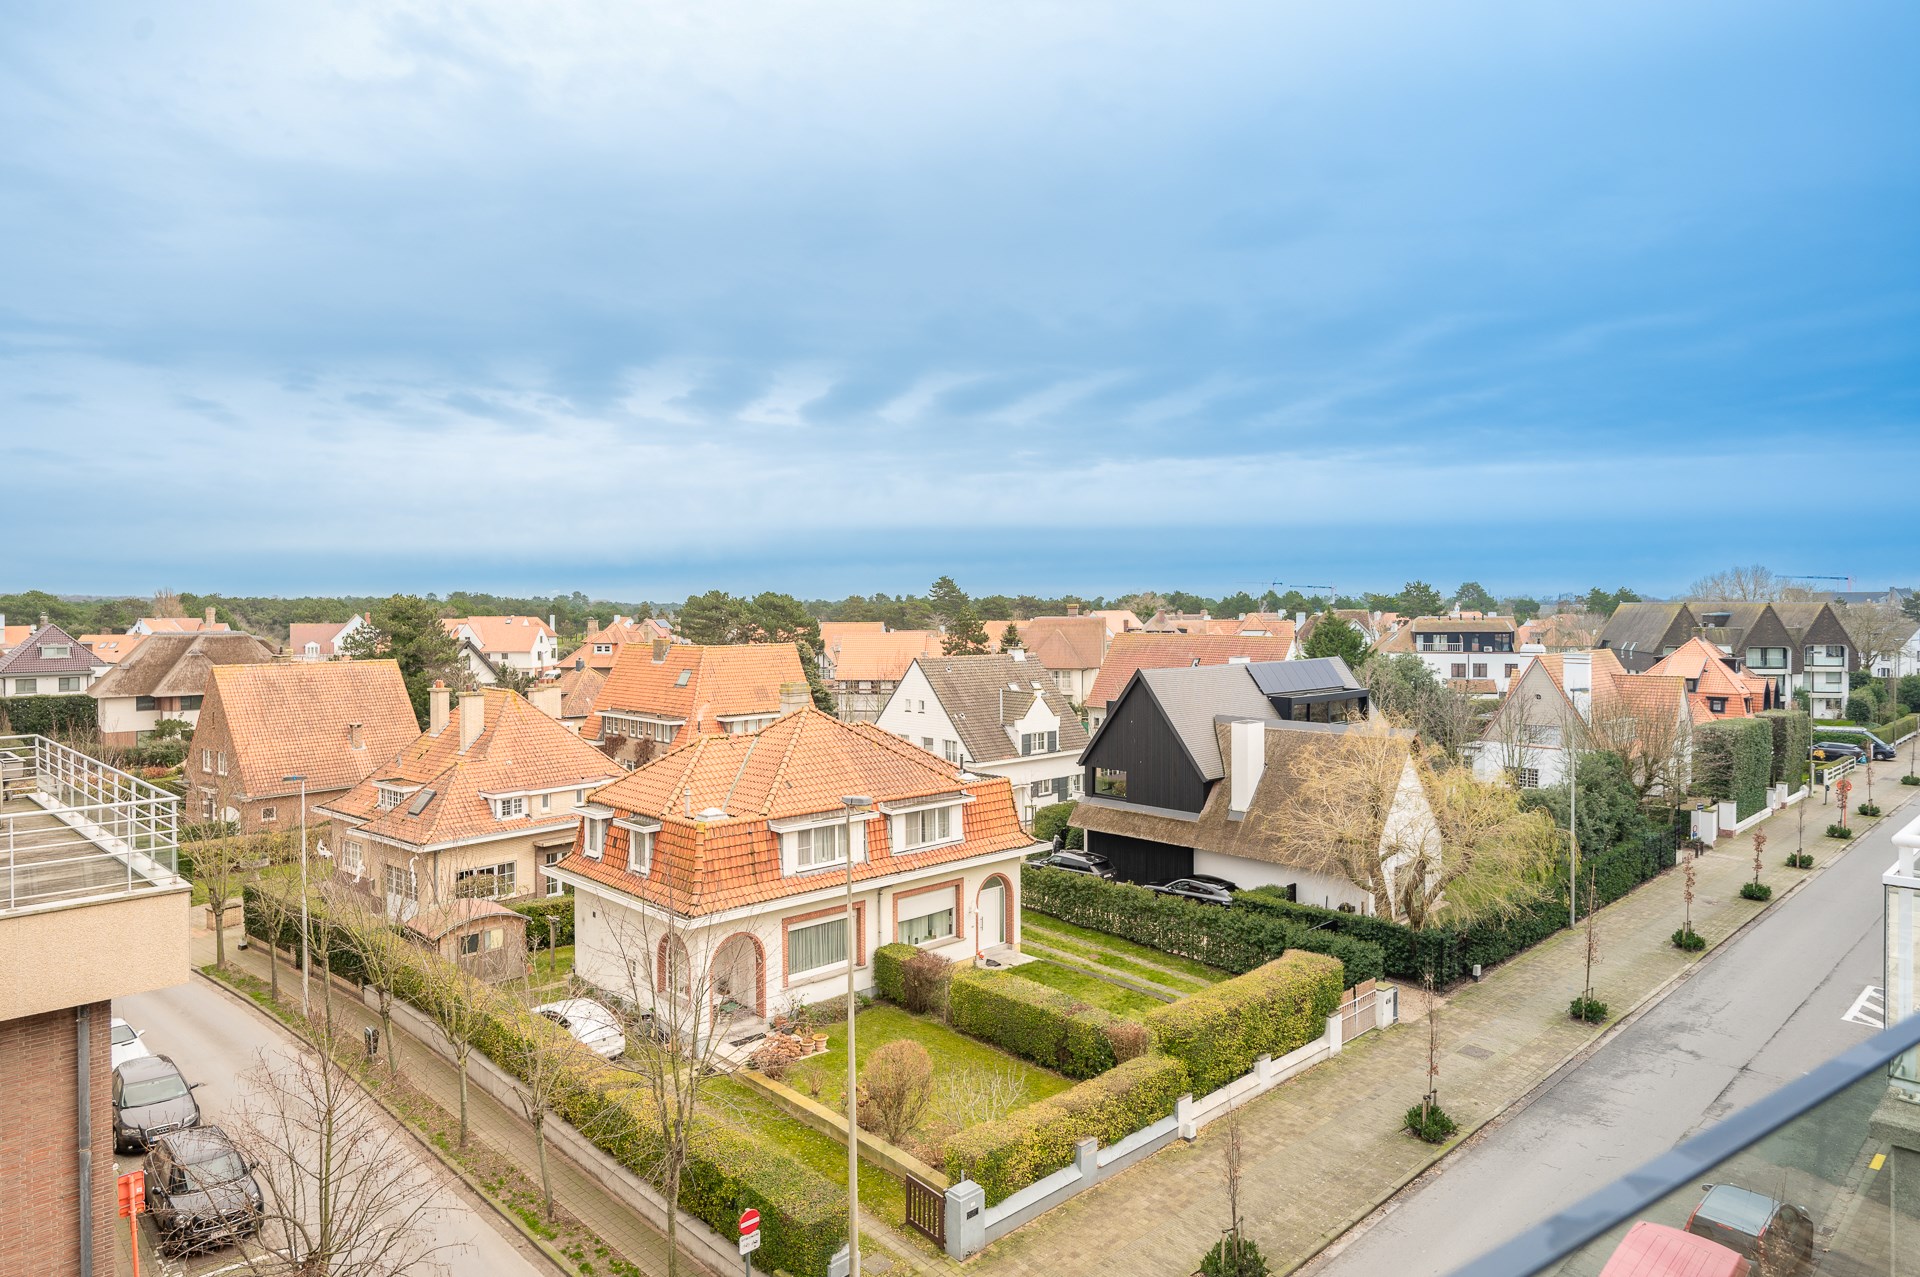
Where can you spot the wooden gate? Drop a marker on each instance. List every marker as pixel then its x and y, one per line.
pixel 926 1210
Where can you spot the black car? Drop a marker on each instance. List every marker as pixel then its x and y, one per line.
pixel 150 1098
pixel 1777 1236
pixel 200 1191
pixel 1207 891
pixel 1828 750
pixel 1076 862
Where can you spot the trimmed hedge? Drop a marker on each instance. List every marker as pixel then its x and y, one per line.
pixel 727 1168
pixel 1905 725
pixel 1034 1021
pixel 889 971
pixel 1236 940
pixel 536 912
pixel 1792 738
pixel 49 715
pixel 1032 1143
pixel 1052 819
pixel 1733 762
pixel 1220 1031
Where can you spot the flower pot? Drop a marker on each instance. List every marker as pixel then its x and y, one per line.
pixel 819 1042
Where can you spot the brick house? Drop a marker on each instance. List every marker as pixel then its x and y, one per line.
pixel 524 643
pixel 476 807
pixel 332 722
pixel 166 677
pixel 1070 648
pixel 49 662
pixel 602 646
pixel 713 878
pixel 660 695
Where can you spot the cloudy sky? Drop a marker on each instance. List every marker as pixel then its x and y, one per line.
pixel 642 298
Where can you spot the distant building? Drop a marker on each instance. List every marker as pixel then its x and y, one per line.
pixel 1477 655
pixel 602 646
pixel 179 625
pixel 322 641
pixel 664 694
pixel 1130 653
pixel 524 643
pixel 49 662
pixel 166 677
pixel 862 666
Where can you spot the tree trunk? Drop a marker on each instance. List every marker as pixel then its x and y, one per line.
pixel 463 1099
pixel 673 1209
pixel 386 1029
pixel 273 966
pixel 540 1140
pixel 220 936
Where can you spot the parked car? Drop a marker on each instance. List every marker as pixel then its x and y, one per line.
pixel 1881 751
pixel 200 1191
pixel 591 1024
pixel 150 1098
pixel 1655 1250
pixel 1076 862
pixel 126 1043
pixel 1777 1236
pixel 1206 892
pixel 1829 750
pixel 1225 884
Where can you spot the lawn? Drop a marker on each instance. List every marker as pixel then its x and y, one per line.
pixel 550 966
pixel 1090 989
pixel 1123 957
pixel 823 1077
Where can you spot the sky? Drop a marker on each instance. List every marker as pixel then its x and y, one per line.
pixel 643 299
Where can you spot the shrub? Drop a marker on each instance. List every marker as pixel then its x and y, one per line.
pixel 537 913
pixel 1863 705
pixel 1234 1256
pixel 1755 891
pixel 1799 860
pixel 890 971
pixel 1910 779
pixel 895 1088
pixel 1038 1023
pixel 1868 809
pixel 1688 940
pixel 1905 725
pixel 1235 940
pixel 1219 1032
pixel 1733 762
pixel 49 715
pixel 1839 831
pixel 1433 1126
pixel 1130 1038
pixel 1792 737
pixel 925 977
pixel 1029 1144
pixel 158 751
pixel 1588 1010
pixel 1052 819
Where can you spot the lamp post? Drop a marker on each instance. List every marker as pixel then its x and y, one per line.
pixel 306 930
pixel 852 803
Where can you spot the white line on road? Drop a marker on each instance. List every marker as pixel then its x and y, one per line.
pixel 1869 1008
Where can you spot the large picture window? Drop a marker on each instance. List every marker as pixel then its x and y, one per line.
pixel 488 882
pixel 816 946
pixel 935 924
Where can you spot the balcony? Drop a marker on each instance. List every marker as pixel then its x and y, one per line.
pixel 94 906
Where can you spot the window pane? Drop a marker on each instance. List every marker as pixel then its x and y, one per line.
pixel 932 926
pixel 822 944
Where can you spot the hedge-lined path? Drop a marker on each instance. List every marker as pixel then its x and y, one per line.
pixel 1062 957
pixel 1179 976
pixel 1323 1151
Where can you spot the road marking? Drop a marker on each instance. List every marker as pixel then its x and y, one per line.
pixel 1879 1160
pixel 1869 1008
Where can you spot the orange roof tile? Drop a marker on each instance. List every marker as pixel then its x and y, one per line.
pixel 622 632
pixel 500 633
pixel 1154 650
pixel 296 719
pixel 698 685
pixel 110 648
pixel 800 766
pixel 879 656
pixel 1059 642
pixel 1705 669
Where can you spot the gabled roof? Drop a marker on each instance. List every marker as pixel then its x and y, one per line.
pixel 12 636
pixel 519 749
pixel 799 767
pixel 1801 617
pixel 324 633
pixel 1131 652
pixel 111 649
pixel 1641 627
pixel 1192 698
pixel 1705 667
pixel 623 631
pixel 579 686
pixel 181 625
pixel 877 656
pixel 493 634
pixel 178 664
pixel 30 659
pixel 719 682
pixel 298 719
pixel 1119 620
pixel 1058 642
pixel 982 695
pixel 831 630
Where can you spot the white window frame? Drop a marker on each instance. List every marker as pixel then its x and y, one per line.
pixel 593 839
pixel 948 821
pixel 402 882
pixel 69 683
pixel 511 807
pixel 951 908
pixel 554 886
pixel 511 876
pixel 353 856
pixel 834 964
pixel 802 847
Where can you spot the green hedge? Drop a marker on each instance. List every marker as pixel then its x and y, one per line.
pixel 1235 940
pixel 728 1168
pixel 1792 738
pixel 49 715
pixel 1733 762
pixel 1905 725
pixel 1034 1021
pixel 536 912
pixel 1052 819
pixel 889 974
pixel 1032 1143
pixel 1220 1031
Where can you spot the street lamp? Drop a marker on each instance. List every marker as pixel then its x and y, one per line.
pixel 306 929
pixel 852 803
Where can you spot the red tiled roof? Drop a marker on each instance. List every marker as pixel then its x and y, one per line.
pixel 739 679
pixel 109 649
pixel 1059 642
pixel 800 766
pixel 296 719
pixel 876 656
pixel 500 633
pixel 1704 665
pixel 1153 650
pixel 622 632
pixel 323 633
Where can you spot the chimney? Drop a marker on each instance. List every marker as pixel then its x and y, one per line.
pixel 579 662
pixel 473 718
pixel 1247 761
pixel 546 699
pixel 1578 669
pixel 43 620
pixel 209 617
pixel 660 651
pixel 593 626
pixel 439 702
pixel 1073 609
pixel 794 696
pixel 354 740
pixel 1299 619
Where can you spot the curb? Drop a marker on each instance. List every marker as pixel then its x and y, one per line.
pixel 546 1249
pixel 1633 1013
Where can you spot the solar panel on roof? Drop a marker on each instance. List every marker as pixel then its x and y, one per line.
pixel 419 803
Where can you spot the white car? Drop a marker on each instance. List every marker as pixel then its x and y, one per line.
pixel 126 1042
pixel 592 1025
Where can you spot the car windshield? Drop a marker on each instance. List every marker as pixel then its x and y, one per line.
pixel 123 1034
pixel 217 1169
pixel 152 1090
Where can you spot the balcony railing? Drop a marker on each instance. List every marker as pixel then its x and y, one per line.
pixel 1818 1178
pixel 73 829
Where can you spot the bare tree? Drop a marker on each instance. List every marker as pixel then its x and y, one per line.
pixel 275 911
pixel 1750 584
pixel 1593 931
pixel 344 1194
pixel 224 866
pixel 544 1059
pixel 382 953
pixel 458 1006
pixel 1650 731
pixel 1879 631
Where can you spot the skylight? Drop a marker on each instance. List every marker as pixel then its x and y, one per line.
pixel 682 680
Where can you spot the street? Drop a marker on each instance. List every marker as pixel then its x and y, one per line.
pixel 1766 1008
pixel 214 1038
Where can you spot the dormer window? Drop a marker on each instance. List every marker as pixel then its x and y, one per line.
pixel 56 651
pixel 819 847
pixel 928 828
pixel 1716 704
pixel 603 649
pixel 508 808
pixel 640 852
pixel 1039 742
pixel 390 796
pixel 594 839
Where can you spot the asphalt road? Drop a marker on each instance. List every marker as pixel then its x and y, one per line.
pixel 1760 1011
pixel 215 1039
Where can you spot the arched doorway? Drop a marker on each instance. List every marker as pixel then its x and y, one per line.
pixel 995 903
pixel 739 977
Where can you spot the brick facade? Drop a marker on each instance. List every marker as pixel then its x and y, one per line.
pixel 39 1169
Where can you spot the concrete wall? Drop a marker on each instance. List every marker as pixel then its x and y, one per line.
pixel 60 957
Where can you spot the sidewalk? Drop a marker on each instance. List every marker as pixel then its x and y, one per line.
pixel 605 1214
pixel 1322 1152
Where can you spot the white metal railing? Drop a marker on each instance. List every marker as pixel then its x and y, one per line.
pixel 85 829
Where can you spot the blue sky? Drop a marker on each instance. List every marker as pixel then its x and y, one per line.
pixel 639 299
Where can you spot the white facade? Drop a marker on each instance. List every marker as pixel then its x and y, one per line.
pixel 70 684
pixel 914 714
pixel 1310 888
pixel 138 714
pixel 1501 667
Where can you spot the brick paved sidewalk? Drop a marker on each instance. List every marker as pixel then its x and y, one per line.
pixel 1324 1150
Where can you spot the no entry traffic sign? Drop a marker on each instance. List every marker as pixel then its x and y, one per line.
pixel 749 1221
